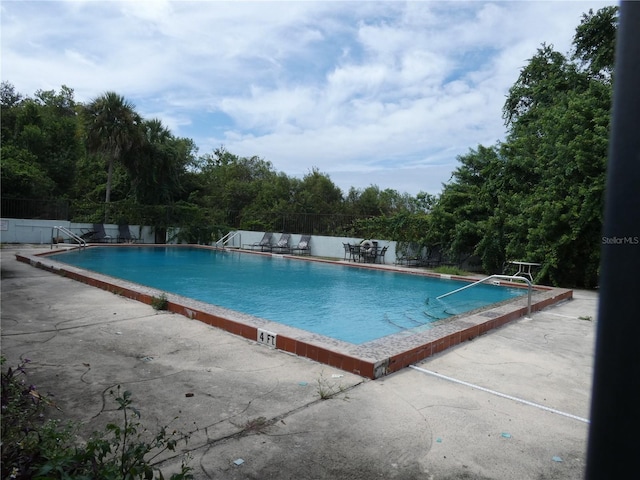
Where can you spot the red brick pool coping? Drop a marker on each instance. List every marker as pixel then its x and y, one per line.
pixel 372 359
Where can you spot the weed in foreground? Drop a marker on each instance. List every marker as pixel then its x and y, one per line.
pixel 450 270
pixel 160 303
pixel 40 448
pixel 326 388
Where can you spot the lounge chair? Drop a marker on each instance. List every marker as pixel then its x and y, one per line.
pixel 97 234
pixel 409 255
pixel 282 246
pixel 264 244
pixel 303 247
pixel 433 259
pixel 125 235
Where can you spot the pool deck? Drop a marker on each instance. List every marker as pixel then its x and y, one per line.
pixel 509 402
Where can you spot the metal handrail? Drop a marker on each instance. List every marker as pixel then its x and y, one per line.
pixel 65 230
pixel 229 236
pixel 503 277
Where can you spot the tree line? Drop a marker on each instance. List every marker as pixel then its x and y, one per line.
pixel 104 152
pixel 538 195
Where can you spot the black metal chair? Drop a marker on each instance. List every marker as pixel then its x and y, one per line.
pixel 98 234
pixel 125 235
pixel 264 244
pixel 380 254
pixel 347 251
pixel 303 247
pixel 355 253
pixel 410 255
pixel 433 259
pixel 282 245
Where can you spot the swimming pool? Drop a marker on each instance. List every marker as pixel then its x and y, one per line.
pixel 354 305
pixel 415 338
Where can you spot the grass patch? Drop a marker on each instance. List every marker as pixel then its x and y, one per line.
pixel 256 425
pixel 327 389
pixel 450 270
pixel 160 303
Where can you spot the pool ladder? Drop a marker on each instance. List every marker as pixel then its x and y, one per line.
pixel 501 277
pixel 222 243
pixel 81 241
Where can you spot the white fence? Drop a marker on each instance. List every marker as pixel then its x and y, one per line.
pixel 15 230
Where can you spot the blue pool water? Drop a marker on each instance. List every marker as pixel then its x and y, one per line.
pixel 351 304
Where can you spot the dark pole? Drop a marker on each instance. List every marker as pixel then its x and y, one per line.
pixel 614 433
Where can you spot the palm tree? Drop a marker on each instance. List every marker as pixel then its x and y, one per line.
pixel 113 129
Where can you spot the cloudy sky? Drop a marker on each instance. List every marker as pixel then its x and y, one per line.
pixel 384 93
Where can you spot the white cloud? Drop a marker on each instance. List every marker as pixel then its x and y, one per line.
pixel 385 93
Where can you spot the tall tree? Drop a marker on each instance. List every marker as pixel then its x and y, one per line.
pixel 113 127
pixel 234 186
pixel 539 195
pixel 461 221
pixel 62 146
pixel 317 194
pixel 40 142
pixel 9 102
pixel 558 113
pixel 595 42
pixel 156 166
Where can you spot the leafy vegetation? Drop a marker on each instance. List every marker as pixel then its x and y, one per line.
pixel 450 270
pixel 160 303
pixel 539 195
pixel 536 196
pixel 34 446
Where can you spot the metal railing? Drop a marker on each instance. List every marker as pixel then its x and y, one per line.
pixel 222 242
pixel 68 232
pixel 502 277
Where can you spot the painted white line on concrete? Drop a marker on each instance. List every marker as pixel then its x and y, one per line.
pixel 503 395
pixel 558 315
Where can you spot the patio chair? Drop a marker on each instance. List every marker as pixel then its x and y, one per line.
pixel 303 247
pixel 125 235
pixel 355 253
pixel 380 254
pixel 264 244
pixel 409 255
pixel 347 251
pixel 282 245
pixel 433 259
pixel 97 235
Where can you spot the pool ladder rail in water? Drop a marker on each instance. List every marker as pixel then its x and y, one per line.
pixel 490 277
